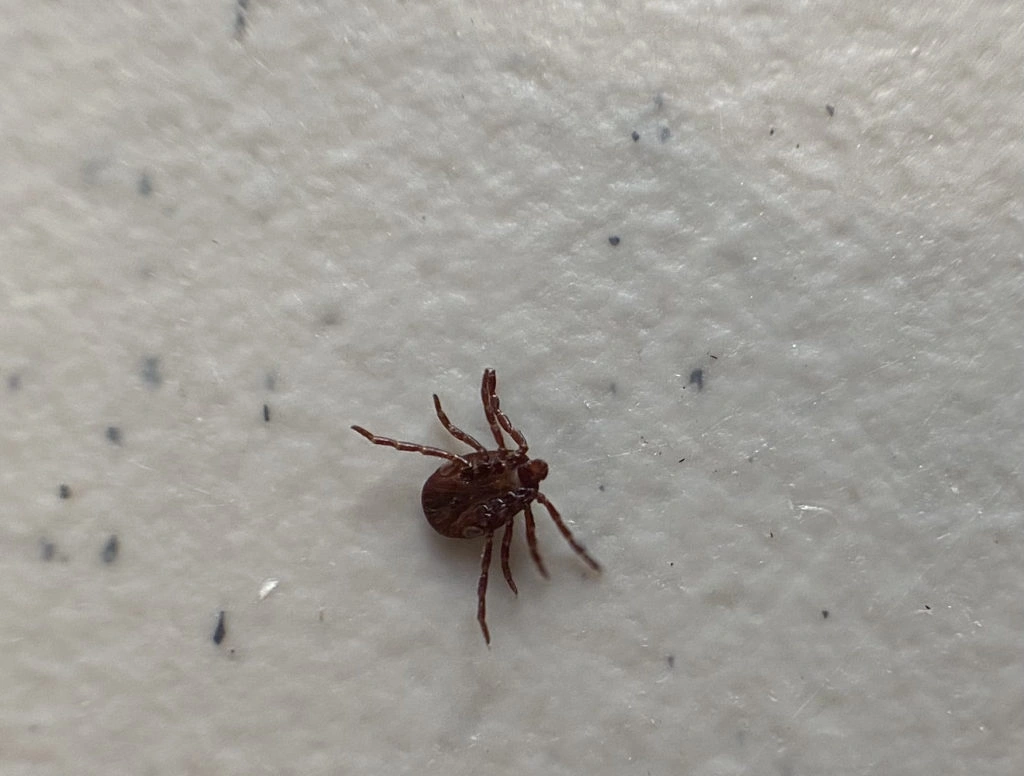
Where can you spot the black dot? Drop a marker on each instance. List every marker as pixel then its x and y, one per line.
pixel 636 136
pixel 824 613
pixel 614 240
pixel 64 491
pixel 114 434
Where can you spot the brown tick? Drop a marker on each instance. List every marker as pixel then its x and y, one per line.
pixel 477 493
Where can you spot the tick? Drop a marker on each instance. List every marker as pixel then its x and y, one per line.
pixel 477 493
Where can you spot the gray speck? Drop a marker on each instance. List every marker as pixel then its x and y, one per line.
pixel 64 491
pixel 145 185
pixel 664 134
pixel 830 110
pixel 635 136
pixel 697 378
pixel 47 549
pixel 151 371
pixel 110 549
pixel 114 435
pixel 14 382
pixel 221 630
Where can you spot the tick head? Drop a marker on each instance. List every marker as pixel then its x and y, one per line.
pixel 532 472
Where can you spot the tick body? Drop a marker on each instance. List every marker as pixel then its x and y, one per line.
pixel 477 493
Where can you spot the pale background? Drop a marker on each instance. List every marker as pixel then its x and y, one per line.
pixel 340 208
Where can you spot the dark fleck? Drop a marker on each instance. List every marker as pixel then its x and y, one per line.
pixel 64 491
pixel 659 101
pixel 151 370
pixel 830 110
pixel 220 631
pixel 680 460
pixel 771 131
pixel 240 17
pixel 714 357
pixel 697 378
pixel 47 549
pixel 671 660
pixel 771 534
pixel 266 413
pixel 636 136
pixel 109 553
pixel 145 185
pixel 797 145
pixel 613 389
pixel 664 134
pixel 926 606
pixel 614 240
pixel 114 435
pixel 601 488
pixel 824 613
pixel 14 382
pixel 270 381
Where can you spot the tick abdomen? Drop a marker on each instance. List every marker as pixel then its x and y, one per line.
pixel 483 495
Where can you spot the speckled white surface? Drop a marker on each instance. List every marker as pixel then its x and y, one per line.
pixel 340 210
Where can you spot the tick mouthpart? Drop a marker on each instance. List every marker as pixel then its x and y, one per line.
pixel 532 473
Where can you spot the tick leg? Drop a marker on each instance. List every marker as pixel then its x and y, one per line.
pixel 506 545
pixel 498 419
pixel 490 400
pixel 481 589
pixel 455 431
pixel 531 541
pixel 410 447
pixel 567 533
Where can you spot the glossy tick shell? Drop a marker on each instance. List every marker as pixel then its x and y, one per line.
pixel 477 493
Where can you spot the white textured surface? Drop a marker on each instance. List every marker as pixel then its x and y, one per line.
pixel 372 204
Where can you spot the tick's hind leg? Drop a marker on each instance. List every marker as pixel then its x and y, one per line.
pixel 481 589
pixel 455 431
pixel 567 533
pixel 410 447
pixel 531 541
pixel 506 544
